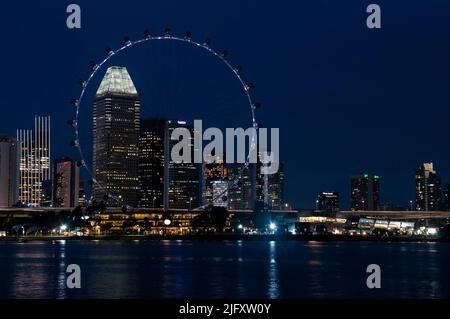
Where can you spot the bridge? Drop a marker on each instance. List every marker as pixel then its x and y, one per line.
pixel 397 214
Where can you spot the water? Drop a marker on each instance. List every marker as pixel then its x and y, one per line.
pixel 223 269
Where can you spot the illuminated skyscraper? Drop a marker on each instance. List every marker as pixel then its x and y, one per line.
pixel 328 201
pixel 181 180
pixel 164 183
pixel 215 182
pixel 242 195
pixel 365 192
pixel 428 188
pixel 151 162
pixel 9 171
pixel 66 182
pixel 446 197
pixel 116 117
pixel 274 189
pixel 34 161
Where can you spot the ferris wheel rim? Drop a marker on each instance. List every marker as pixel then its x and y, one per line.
pixel 147 38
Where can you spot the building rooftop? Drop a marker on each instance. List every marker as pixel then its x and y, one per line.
pixel 117 80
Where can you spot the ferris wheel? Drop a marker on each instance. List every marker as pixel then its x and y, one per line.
pixel 234 180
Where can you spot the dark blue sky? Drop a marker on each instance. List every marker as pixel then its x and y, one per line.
pixel 347 99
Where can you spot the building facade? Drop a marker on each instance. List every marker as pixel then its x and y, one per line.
pixel 181 180
pixel 446 197
pixel 241 196
pixel 116 122
pixel 215 182
pixel 35 168
pixel 151 162
pixel 9 171
pixel 270 189
pixel 66 182
pixel 428 188
pixel 164 183
pixel 364 192
pixel 328 201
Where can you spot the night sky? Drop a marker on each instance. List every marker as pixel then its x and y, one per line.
pixel 347 99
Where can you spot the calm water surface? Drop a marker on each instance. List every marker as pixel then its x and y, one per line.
pixel 223 269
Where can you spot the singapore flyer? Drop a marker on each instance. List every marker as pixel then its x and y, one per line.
pixel 233 180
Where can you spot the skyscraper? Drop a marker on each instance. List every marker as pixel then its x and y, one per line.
pixel 9 171
pixel 116 121
pixel 446 197
pixel 328 201
pixel 215 182
pixel 181 180
pixel 364 192
pixel 275 189
pixel 151 162
pixel 242 195
pixel 428 188
pixel 164 183
pixel 35 165
pixel 66 182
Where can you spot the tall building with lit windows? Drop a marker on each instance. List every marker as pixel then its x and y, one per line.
pixel 215 182
pixel 270 189
pixel 116 122
pixel 9 171
pixel 241 196
pixel 364 192
pixel 35 167
pixel 328 201
pixel 66 183
pixel 446 197
pixel 181 180
pixel 164 183
pixel 428 188
pixel 151 162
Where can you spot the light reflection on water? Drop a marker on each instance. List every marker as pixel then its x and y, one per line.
pixel 228 269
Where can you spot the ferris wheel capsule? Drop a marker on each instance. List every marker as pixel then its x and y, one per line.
pixel 207 42
pixel 146 34
pixel 81 82
pixel 167 32
pixel 126 40
pixel 109 51
pixel 224 54
pixel 188 35
pixel 249 86
pixel 239 68
pixel 74 102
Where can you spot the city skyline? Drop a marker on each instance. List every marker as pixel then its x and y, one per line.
pixel 322 98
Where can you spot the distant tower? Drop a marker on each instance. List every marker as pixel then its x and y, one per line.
pixel 35 168
pixel 9 171
pixel 269 189
pixel 428 188
pixel 181 180
pixel 328 201
pixel 365 192
pixel 151 162
pixel 116 116
pixel 241 196
pixel 446 197
pixel 215 182
pixel 66 183
pixel 164 183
